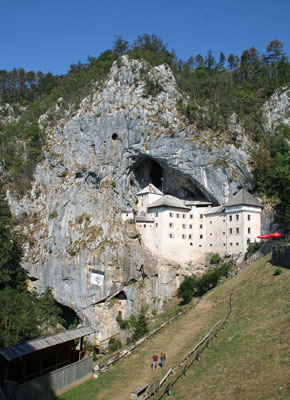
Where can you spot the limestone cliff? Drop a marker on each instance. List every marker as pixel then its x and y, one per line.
pixel 122 137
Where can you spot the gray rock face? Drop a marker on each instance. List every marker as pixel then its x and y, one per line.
pixel 120 139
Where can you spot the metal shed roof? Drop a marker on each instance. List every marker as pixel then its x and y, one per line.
pixel 31 346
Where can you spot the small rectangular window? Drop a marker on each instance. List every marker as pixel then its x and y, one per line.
pixel 249 217
pixel 144 225
pixel 231 217
pixel 171 215
pixel 156 214
pixel 191 216
pixel 189 236
pixel 190 243
pixel 237 217
pixel 224 233
pixel 201 236
pixel 201 216
pixel 177 215
pixel 231 231
pixel 183 236
pixel 249 230
pixel 224 244
pixel 184 226
pixel 190 226
pixel 238 230
pixel 237 243
pixel 210 222
pixel 156 224
pixel 183 215
pixel 210 234
pixel 231 244
pixel 210 245
pixel 171 225
pixel 171 235
pixel 201 226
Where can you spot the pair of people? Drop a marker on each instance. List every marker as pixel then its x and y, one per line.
pixel 155 360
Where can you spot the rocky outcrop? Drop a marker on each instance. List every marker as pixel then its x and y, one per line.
pixel 128 133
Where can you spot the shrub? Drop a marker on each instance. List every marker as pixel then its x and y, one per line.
pixel 215 259
pixel 114 344
pixel 278 271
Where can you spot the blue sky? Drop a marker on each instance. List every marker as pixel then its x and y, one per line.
pixel 51 35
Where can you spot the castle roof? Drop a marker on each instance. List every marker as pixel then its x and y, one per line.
pixel 215 210
pixel 243 197
pixel 168 201
pixel 144 218
pixel 150 189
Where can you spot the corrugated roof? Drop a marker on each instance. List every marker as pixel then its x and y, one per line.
pixel 243 197
pixel 168 201
pixel 31 346
pixel 150 189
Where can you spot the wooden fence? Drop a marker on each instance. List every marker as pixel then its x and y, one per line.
pixel 163 386
pixel 103 365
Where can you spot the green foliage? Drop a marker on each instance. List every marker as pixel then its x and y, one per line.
pixel 278 271
pixel 11 274
pixel 193 286
pixel 272 171
pixel 124 324
pixel 114 345
pixel 216 259
pixel 141 325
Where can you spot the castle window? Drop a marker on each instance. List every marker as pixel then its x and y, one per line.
pixel 190 244
pixel 183 215
pixel 210 245
pixel 237 217
pixel 144 225
pixel 191 216
pixel 156 225
pixel 183 236
pixel 231 231
pixel 201 216
pixel 224 244
pixel 184 226
pixel 201 226
pixel 201 236
pixel 249 217
pixel 224 233
pixel 210 222
pixel 231 217
pixel 189 236
pixel 238 230
pixel 224 220
pixel 199 245
pixel 210 234
pixel 190 226
pixel 249 230
pixel 156 214
pixel 177 215
pixel 142 204
pixel 237 243
pixel 171 225
pixel 171 235
pixel 171 215
pixel 231 244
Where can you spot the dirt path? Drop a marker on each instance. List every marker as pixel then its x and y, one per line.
pixel 176 340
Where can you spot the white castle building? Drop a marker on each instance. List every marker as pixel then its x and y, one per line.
pixel 186 230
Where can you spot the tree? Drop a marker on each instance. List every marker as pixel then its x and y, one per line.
pixel 120 46
pixel 49 314
pixel 11 274
pixel 141 326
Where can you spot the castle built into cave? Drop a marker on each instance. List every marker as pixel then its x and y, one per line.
pixel 186 230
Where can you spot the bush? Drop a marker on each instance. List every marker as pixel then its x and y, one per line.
pixel 114 345
pixel 141 325
pixel 215 259
pixel 278 271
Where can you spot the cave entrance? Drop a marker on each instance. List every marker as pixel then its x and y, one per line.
pixel 69 316
pixel 149 171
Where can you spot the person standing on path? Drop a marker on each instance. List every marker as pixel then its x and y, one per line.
pixel 162 358
pixel 155 359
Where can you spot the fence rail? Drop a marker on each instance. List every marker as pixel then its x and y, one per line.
pixel 182 366
pixel 102 365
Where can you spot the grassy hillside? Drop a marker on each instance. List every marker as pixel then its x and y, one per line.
pixel 249 359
